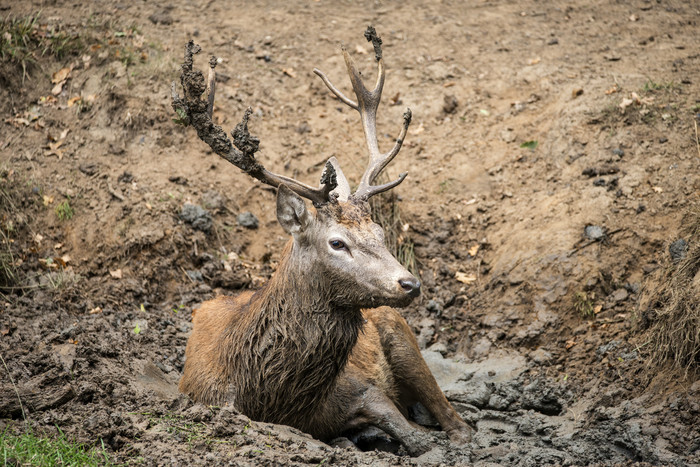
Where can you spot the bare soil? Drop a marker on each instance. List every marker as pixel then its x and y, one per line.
pixel 531 122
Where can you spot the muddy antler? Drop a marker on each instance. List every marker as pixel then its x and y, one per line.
pixel 367 104
pixel 192 109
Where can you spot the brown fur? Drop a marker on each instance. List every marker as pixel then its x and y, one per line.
pixel 301 351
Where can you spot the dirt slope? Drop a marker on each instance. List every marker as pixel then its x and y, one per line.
pixel 531 122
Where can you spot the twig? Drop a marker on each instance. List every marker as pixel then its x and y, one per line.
pixel 577 249
pixel 14 386
pixel 115 193
pixel 697 142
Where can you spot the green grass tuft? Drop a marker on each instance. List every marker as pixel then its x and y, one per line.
pixel 36 450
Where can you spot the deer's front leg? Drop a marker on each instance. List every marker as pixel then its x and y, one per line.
pixel 376 409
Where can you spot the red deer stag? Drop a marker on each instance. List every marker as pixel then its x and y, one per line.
pixel 317 347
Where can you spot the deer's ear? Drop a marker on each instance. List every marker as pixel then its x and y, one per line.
pixel 291 211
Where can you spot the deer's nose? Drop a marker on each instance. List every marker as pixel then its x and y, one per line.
pixel 410 286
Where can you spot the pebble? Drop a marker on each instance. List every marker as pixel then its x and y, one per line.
pixel 248 220
pixel 594 232
pixel 678 250
pixel 618 152
pixel 620 295
pixel 197 216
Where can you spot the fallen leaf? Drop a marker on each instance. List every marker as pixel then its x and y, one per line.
pixel 117 274
pixel 612 90
pixel 60 75
pixel 95 310
pixel 58 246
pixel 38 238
pixel 657 189
pixel 47 100
pixel 597 309
pixel 48 200
pixel 58 88
pixel 73 100
pixel 570 344
pixel 465 278
pixel 473 250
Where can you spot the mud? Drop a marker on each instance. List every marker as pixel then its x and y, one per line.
pixel 531 122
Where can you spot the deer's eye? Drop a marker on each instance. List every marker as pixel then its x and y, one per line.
pixel 337 245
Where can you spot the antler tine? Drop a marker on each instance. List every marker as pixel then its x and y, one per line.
pixel 191 109
pixel 367 104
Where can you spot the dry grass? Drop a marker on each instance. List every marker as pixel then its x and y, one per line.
pixel 386 212
pixel 670 307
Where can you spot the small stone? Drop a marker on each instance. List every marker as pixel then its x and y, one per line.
pixel 450 104
pixel 248 220
pixel 195 276
pixel 594 232
pixel 540 356
pixel 620 295
pixel 663 140
pixel 553 41
pixel 434 307
pixel 678 250
pixel 197 216
pixel 618 152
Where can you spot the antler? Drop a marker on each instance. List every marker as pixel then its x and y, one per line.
pixel 192 109
pixel 367 104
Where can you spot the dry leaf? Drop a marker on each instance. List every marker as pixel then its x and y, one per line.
pixel 597 309
pixel 465 278
pixel 612 90
pixel 58 246
pixel 58 88
pixel 657 189
pixel 473 250
pixel 95 310
pixel 48 200
pixel 73 100
pixel 38 237
pixel 116 274
pixel 570 344
pixel 60 75
pixel 47 100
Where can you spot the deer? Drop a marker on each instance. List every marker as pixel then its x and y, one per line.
pixel 321 346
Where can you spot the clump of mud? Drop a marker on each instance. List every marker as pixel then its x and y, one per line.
pixel 670 306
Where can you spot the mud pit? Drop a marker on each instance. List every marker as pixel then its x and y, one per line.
pixel 525 131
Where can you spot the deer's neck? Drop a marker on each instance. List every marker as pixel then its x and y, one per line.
pixel 295 345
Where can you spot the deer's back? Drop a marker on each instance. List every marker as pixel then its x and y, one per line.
pixel 205 377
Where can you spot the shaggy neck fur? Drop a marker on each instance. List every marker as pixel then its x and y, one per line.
pixel 294 344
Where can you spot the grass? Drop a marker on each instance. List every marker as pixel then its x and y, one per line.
pixel 23 40
pixel 583 304
pixel 179 427
pixel 670 306
pixel 32 449
pixel 64 211
pixel 386 213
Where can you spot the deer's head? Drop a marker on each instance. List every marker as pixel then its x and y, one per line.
pixel 337 238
